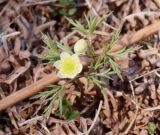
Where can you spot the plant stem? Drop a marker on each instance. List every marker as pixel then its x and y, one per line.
pixel 90 48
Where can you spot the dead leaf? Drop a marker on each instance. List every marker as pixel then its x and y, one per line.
pixel 19 71
pixel 24 54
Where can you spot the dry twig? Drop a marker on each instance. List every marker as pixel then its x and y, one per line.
pixel 132 122
pixel 95 118
pixel 11 35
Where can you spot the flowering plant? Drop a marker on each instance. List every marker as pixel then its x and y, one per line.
pixel 69 65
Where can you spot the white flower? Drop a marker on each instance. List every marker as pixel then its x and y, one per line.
pixel 80 46
pixel 69 66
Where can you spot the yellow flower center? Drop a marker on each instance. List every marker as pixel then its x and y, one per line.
pixel 68 65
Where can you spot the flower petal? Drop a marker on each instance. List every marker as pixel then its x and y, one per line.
pixel 80 67
pixel 61 75
pixel 57 64
pixel 79 64
pixel 64 54
pixel 75 56
pixel 71 76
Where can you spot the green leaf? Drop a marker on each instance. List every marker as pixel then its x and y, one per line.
pixel 63 11
pixel 92 21
pixel 77 26
pixel 113 41
pixel 67 111
pixel 51 53
pixel 66 2
pixel 61 105
pixel 104 74
pixel 48 110
pixel 97 82
pixel 72 115
pixel 99 63
pixel 121 53
pixel 115 67
pixel 72 11
pixel 152 127
pixel 49 42
pixel 53 93
pixel 65 48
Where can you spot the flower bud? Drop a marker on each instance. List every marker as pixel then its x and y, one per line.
pixel 80 46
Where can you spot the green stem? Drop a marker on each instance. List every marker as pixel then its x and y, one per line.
pixel 90 47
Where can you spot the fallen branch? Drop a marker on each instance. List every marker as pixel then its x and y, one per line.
pixel 130 39
pixel 28 91
pixel 32 89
